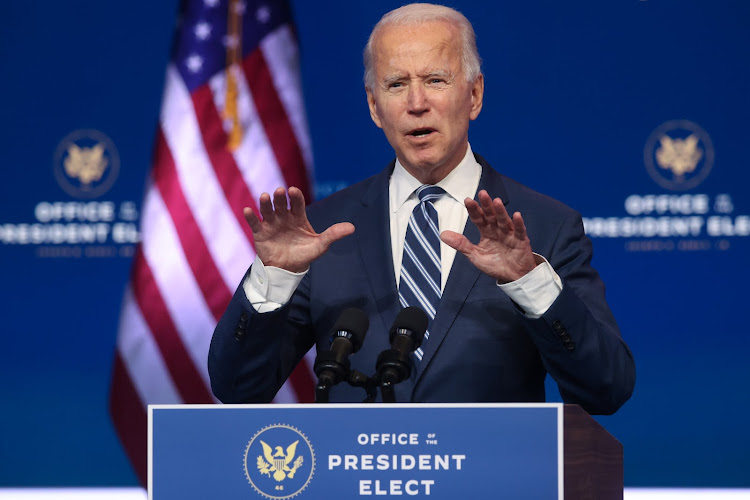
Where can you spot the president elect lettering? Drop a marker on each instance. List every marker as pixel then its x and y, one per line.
pixel 402 461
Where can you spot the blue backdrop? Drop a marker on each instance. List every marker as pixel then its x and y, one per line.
pixel 604 105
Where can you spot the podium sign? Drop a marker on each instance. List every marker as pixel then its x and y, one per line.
pixel 441 451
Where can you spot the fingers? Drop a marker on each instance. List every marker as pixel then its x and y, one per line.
pixel 488 207
pixel 504 222
pixel 276 208
pixel 335 233
pixel 519 227
pixel 252 219
pixel 279 201
pixel 296 202
pixel 476 214
pixel 279 206
pixel 489 215
pixel 459 242
pixel 266 207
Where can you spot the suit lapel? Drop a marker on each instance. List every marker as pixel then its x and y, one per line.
pixel 373 234
pixel 462 277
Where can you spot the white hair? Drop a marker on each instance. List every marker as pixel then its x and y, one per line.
pixel 420 13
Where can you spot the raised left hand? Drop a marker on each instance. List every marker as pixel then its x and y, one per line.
pixel 504 250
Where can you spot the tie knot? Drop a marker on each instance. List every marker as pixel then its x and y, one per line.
pixel 428 192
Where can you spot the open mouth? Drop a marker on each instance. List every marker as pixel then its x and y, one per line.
pixel 421 132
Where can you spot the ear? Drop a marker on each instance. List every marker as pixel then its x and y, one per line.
pixel 477 94
pixel 373 107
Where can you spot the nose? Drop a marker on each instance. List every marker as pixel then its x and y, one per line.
pixel 416 99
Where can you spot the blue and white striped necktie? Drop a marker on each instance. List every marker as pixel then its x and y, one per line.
pixel 419 284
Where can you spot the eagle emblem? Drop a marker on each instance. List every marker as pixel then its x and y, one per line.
pixel 86 164
pixel 276 460
pixel 681 156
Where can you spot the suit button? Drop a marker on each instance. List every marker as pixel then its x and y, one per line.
pixel 563 332
pixel 557 325
pixel 570 345
pixel 238 334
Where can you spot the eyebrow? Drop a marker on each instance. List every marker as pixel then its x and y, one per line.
pixel 439 72
pixel 393 79
pixel 433 73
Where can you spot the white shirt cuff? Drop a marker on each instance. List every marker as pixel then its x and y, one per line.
pixel 268 288
pixel 536 291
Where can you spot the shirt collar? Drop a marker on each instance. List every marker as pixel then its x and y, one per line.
pixel 460 183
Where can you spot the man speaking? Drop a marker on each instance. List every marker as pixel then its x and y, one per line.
pixel 502 272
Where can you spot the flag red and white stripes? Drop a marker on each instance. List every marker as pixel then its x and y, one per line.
pixel 195 245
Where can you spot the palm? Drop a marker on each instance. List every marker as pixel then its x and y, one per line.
pixel 504 250
pixel 284 237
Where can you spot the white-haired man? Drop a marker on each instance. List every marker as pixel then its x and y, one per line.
pixel 510 298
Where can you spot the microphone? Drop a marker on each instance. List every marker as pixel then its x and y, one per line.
pixel 394 365
pixel 331 367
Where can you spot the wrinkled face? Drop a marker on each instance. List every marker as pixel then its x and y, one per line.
pixel 421 98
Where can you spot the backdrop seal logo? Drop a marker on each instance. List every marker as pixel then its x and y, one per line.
pixel 678 155
pixel 279 461
pixel 86 164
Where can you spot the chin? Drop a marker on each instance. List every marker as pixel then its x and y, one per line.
pixel 423 164
pixel 424 160
pixel 426 171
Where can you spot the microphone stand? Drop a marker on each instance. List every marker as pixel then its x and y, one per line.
pixel 333 366
pixel 322 389
pixel 330 371
pixel 369 384
pixel 387 392
pixel 393 366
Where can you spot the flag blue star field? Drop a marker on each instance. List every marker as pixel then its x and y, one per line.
pixel 231 127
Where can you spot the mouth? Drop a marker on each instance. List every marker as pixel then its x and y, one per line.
pixel 421 132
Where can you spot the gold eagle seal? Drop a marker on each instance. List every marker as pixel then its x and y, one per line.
pixel 678 155
pixel 86 164
pixel 279 461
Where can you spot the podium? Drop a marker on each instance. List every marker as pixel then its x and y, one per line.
pixel 342 451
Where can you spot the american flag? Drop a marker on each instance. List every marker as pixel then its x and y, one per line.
pixel 232 126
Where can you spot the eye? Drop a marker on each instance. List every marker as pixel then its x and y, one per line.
pixel 437 81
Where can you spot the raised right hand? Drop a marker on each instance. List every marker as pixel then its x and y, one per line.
pixel 285 238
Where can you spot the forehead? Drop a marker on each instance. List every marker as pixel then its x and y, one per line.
pixel 424 46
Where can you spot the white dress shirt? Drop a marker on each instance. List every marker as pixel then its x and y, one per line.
pixel 268 288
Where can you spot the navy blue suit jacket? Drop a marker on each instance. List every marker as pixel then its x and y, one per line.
pixel 482 348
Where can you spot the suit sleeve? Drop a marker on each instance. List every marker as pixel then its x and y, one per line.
pixel 252 354
pixel 578 337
